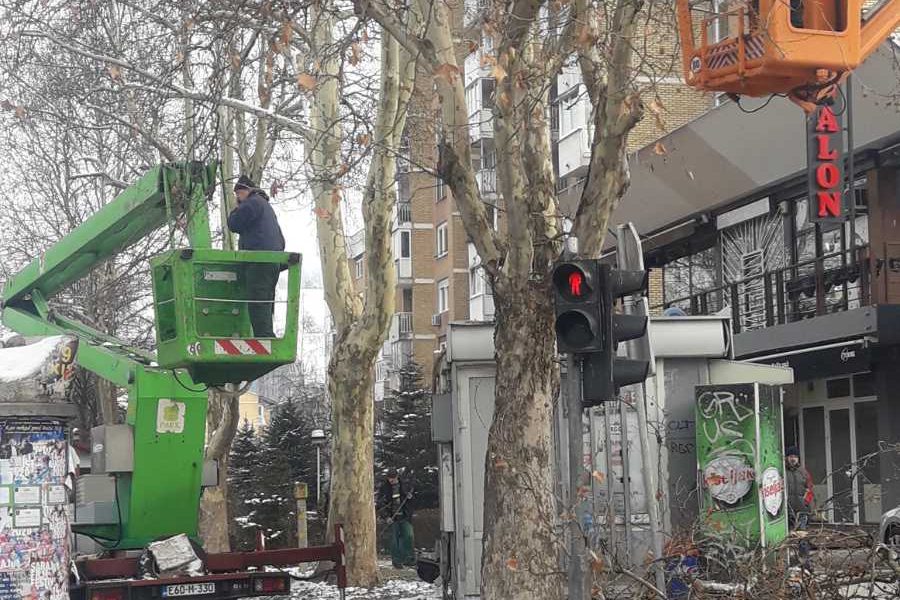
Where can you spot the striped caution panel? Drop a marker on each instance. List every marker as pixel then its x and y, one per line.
pixel 243 347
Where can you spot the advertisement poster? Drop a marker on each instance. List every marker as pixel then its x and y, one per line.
pixel 34 551
pixel 739 454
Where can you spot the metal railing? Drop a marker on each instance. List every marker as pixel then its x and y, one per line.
pixel 404 323
pixel 487 181
pixel 404 212
pixel 827 284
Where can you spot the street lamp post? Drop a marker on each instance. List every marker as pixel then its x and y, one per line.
pixel 318 440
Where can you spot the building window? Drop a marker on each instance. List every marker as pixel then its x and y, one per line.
pixel 441 240
pixel 568 113
pixel 358 263
pixel 690 275
pixel 404 250
pixel 476 282
pixel 838 388
pixel 443 295
pixel 438 189
pixel 488 86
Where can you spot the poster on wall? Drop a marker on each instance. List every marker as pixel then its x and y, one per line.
pixel 34 523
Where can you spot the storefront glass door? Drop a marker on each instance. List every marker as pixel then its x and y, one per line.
pixel 839 442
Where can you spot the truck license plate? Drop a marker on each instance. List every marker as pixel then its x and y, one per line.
pixel 188 589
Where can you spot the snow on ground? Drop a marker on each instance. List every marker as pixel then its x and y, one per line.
pixel 397 589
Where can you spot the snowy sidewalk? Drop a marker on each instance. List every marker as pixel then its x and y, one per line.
pixel 396 589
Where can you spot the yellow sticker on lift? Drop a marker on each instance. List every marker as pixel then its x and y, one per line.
pixel 170 416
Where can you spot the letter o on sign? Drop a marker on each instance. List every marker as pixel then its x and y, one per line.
pixel 827 175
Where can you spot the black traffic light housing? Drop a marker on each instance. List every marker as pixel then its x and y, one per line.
pixel 587 324
pixel 576 297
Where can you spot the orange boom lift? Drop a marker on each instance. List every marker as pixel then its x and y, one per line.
pixel 798 48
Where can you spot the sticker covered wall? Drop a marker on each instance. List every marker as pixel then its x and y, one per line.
pixel 34 509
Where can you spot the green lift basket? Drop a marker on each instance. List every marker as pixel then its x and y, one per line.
pixel 202 317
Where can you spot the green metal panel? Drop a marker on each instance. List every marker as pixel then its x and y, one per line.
pixel 161 497
pixel 202 322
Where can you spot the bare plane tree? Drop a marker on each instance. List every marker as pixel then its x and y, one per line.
pixel 613 44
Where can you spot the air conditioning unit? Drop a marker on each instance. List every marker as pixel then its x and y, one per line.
pixel 436 320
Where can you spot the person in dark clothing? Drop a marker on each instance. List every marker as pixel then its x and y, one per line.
pixel 799 483
pixel 393 502
pixel 255 222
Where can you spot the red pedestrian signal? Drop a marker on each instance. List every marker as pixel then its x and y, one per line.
pixel 576 279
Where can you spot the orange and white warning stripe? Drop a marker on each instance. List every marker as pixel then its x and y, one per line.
pixel 243 347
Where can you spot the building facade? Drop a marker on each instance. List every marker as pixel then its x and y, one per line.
pixel 725 219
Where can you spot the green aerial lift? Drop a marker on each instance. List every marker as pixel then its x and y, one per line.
pixel 147 474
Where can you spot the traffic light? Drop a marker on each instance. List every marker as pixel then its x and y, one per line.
pixel 577 300
pixel 604 372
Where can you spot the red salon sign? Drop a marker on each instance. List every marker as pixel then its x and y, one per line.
pixel 825 151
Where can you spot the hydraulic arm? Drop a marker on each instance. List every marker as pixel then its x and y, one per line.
pixel 147 474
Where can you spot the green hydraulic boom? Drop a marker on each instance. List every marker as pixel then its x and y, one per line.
pixel 203 334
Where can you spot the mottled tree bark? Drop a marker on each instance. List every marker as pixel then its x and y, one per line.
pixel 361 324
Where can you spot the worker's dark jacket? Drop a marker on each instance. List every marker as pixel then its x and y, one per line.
pixel 799 490
pixel 393 501
pixel 255 221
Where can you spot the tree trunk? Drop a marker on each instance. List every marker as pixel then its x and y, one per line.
pixel 521 538
pixel 221 424
pixel 109 406
pixel 350 382
pixel 214 513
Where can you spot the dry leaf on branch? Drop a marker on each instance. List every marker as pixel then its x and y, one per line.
pixel 512 564
pixel 322 213
pixel 336 195
pixel 447 72
pixel 20 112
pixel 355 53
pixel 598 476
pixel 659 149
pixel 363 139
pixel 306 81
pixel 287 32
pixel 114 71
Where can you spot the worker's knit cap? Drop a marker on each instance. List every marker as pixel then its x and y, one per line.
pixel 244 182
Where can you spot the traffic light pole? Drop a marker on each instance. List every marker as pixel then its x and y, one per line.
pixel 579 583
pixel 629 255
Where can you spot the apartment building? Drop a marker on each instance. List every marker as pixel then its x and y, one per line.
pixel 725 220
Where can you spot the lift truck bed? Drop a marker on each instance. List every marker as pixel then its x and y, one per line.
pixel 228 575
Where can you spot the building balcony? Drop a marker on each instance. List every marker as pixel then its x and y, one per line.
pixel 487 182
pixel 404 269
pixel 829 284
pixel 402 214
pixel 401 326
pixel 574 148
pixel 356 243
pixel 481 307
pixel 481 124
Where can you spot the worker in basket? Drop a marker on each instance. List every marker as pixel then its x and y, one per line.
pixel 254 220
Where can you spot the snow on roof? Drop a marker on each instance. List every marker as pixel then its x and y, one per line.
pixel 23 362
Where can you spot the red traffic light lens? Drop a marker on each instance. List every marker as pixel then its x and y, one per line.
pixel 572 282
pixel 576 280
